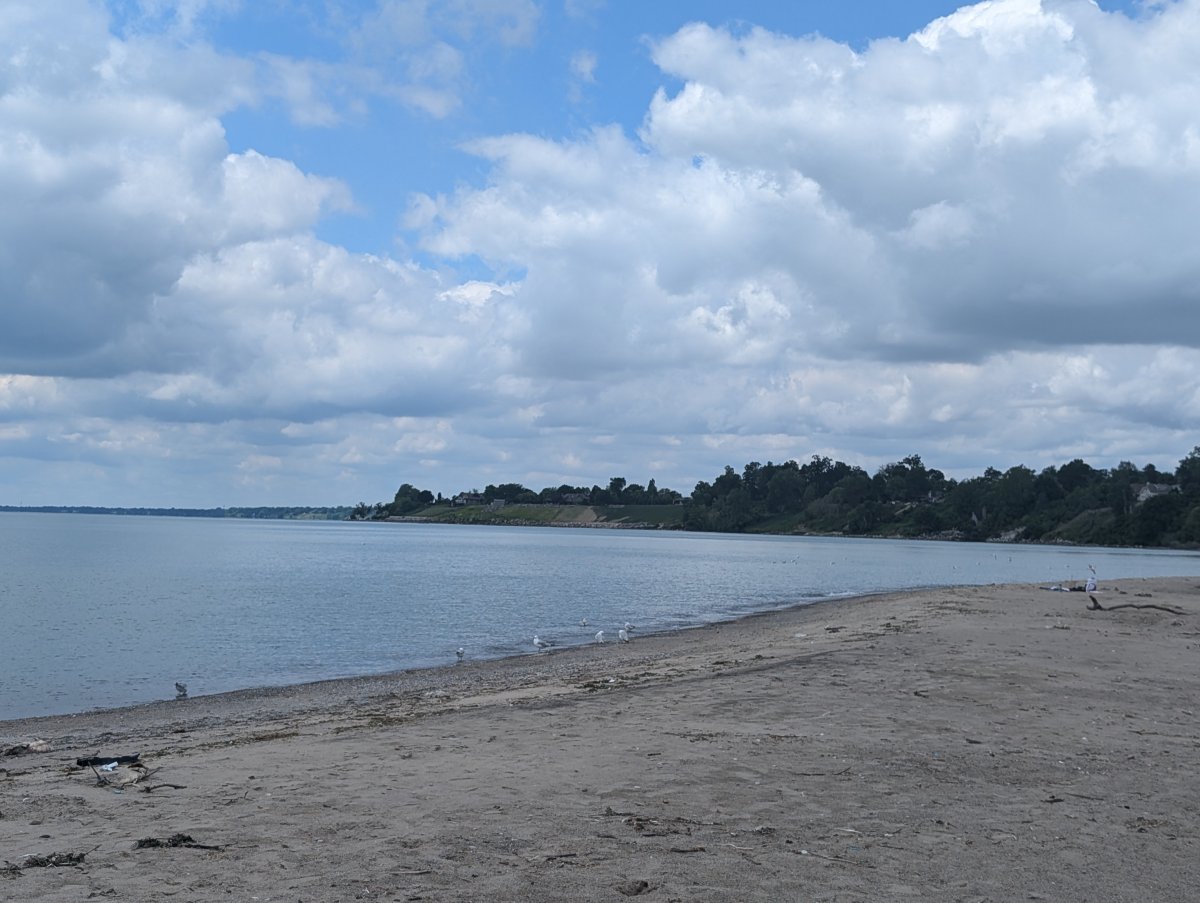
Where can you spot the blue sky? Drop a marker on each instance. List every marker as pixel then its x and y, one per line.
pixel 301 252
pixel 530 85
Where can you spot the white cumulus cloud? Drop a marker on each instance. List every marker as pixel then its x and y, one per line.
pixel 974 243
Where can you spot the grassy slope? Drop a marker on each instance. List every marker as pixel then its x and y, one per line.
pixel 624 515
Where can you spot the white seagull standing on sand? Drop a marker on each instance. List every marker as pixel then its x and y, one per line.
pixel 629 627
pixel 460 652
pixel 623 635
pixel 599 636
pixel 540 643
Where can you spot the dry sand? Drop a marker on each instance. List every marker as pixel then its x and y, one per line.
pixel 993 743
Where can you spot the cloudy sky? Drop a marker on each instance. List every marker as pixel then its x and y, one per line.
pixel 258 252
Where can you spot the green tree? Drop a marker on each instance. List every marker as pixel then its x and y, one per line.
pixel 733 512
pixel 408 498
pixel 616 490
pixel 1013 495
pixel 633 494
pixel 1159 517
pixel 726 483
pixel 1077 474
pixel 1189 531
pixel 702 495
pixel 785 490
pixel 1120 488
pixel 855 487
pixel 1187 474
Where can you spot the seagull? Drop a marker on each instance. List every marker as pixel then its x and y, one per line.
pixel 623 635
pixel 180 690
pixel 460 652
pixel 629 627
pixel 583 622
pixel 540 643
pixel 599 636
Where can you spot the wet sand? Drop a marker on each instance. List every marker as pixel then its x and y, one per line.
pixel 986 743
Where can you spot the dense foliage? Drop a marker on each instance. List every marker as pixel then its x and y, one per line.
pixel 1071 503
pixel 1076 502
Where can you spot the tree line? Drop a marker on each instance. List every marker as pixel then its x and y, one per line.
pixel 410 500
pixel 1123 506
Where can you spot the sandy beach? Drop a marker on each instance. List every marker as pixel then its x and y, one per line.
pixel 987 743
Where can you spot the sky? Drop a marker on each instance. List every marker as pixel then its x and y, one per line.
pixel 299 252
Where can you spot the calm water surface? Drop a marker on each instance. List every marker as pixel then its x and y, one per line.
pixel 106 610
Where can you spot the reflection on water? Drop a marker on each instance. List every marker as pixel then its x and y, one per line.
pixel 109 610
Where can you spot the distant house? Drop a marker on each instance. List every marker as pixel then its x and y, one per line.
pixel 467 498
pixel 1144 491
pixel 576 498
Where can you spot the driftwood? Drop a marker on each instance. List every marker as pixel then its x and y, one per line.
pixel 825 774
pixel 135 774
pixel 51 860
pixel 150 788
pixel 1096 606
pixel 94 761
pixel 175 840
pixel 834 858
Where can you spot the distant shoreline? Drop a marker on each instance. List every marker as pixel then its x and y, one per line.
pixel 584 517
pixel 266 512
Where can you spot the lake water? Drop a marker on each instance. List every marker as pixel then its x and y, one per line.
pixel 102 611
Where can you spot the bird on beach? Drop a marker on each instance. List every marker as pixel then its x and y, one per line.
pixel 629 627
pixel 460 652
pixel 180 690
pixel 599 636
pixel 540 643
pixel 623 635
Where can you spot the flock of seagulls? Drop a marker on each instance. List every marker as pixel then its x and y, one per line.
pixel 624 634
pixel 181 690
